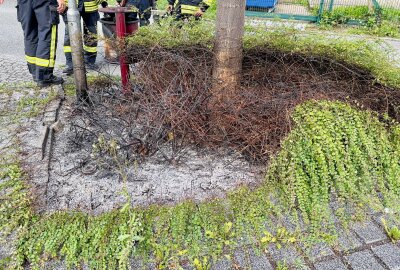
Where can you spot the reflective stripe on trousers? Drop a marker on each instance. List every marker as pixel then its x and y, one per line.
pixel 39 22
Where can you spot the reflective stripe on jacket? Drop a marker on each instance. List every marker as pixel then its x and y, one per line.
pixel 190 7
pixel 87 5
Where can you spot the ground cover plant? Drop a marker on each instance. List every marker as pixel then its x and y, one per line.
pixel 313 110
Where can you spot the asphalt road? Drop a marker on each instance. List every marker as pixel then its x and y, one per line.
pixel 11 35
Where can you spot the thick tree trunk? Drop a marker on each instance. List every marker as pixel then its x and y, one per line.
pixel 228 45
pixel 227 73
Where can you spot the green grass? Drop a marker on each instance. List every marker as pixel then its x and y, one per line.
pixel 31 101
pixel 31 105
pixel 356 12
pixel 391 14
pixel 385 25
pixel 384 29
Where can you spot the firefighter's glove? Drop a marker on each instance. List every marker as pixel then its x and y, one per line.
pixel 199 13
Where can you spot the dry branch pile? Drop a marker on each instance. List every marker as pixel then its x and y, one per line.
pixel 171 102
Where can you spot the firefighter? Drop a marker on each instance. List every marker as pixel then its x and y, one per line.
pixel 39 20
pixel 144 7
pixel 90 15
pixel 188 8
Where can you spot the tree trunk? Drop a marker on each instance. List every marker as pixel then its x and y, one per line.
pixel 227 72
pixel 228 47
pixel 370 6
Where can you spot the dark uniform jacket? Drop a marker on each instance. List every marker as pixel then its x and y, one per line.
pixel 144 7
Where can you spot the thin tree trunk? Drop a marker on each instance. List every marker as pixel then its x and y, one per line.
pixel 228 47
pixel 370 6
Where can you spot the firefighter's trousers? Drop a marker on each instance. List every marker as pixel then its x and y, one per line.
pixel 89 38
pixel 39 20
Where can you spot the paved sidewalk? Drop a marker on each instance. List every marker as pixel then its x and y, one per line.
pixel 13 71
pixel 364 247
pixel 394 45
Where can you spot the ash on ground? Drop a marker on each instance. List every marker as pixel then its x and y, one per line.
pixel 81 177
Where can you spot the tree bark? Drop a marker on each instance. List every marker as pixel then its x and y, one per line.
pixel 228 47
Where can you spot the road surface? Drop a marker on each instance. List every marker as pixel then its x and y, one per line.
pixel 13 67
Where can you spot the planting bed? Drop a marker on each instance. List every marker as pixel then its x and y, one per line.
pixel 171 140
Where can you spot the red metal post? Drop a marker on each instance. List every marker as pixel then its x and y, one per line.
pixel 121 33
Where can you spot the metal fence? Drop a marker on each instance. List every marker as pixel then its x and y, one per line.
pixel 351 11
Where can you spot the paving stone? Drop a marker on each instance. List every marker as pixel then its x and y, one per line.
pixel 288 254
pixel 222 265
pixel 54 265
pixel 49 118
pixel 363 260
pixel 259 261
pixel 319 251
pixel 149 266
pixel 289 224
pixel 389 254
pixel 369 232
pixel 390 219
pixel 41 139
pixel 334 264
pixel 347 240
pixel 185 267
pixel 241 258
pixel 136 263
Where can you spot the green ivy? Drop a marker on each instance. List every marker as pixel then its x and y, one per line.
pixel 15 207
pixel 104 242
pixel 337 153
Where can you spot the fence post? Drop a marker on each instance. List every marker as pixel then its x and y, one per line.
pixel 377 11
pixel 321 10
pixel 331 5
